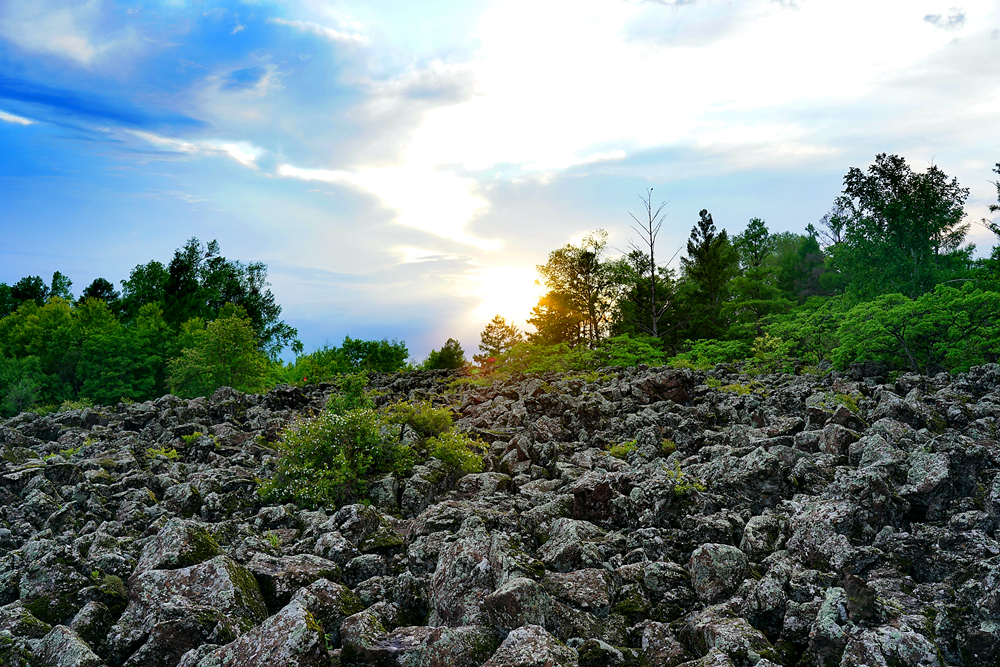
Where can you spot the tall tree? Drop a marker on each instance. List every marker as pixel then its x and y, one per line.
pixel 497 338
pixel 755 290
pixel 146 284
pixel 642 259
pixel 579 303
pixel 61 286
pixel 901 231
pixel 451 355
pixel 105 291
pixel 31 288
pixel 710 264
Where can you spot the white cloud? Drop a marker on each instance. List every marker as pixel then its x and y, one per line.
pixel 243 152
pixel 17 120
pixel 425 198
pixel 238 28
pixel 325 32
pixel 70 30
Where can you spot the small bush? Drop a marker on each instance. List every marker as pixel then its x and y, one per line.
pixel 169 453
pixel 426 420
pixel 328 458
pixel 622 449
pixel 351 394
pixel 457 450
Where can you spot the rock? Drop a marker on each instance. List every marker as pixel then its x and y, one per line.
pixel 179 543
pixel 290 638
pixel 220 584
pixel 660 646
pixel 279 578
pixel 532 646
pixel 518 602
pixel 589 590
pixel 717 570
pixel 463 578
pixel 330 604
pixel 62 647
pixel 468 646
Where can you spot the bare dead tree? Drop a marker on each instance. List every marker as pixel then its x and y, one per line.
pixel 648 229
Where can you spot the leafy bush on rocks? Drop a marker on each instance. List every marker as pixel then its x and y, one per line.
pixel 331 457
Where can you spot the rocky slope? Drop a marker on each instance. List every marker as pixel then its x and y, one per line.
pixel 768 520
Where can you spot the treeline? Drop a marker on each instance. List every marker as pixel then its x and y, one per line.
pixel 187 327
pixel 886 276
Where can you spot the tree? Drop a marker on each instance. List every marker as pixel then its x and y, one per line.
pixel 146 284
pixel 199 282
pixel 497 338
pixel 654 301
pixel 901 231
pixel 61 286
pixel 105 291
pixel 29 288
pixel 710 264
pixel 225 353
pixel 946 328
pixel 755 291
pixel 451 355
pixel 581 294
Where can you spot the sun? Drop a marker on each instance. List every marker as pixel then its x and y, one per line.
pixel 510 292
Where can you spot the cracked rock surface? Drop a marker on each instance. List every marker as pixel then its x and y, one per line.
pixel 807 521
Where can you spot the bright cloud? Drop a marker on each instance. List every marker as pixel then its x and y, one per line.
pixel 17 120
pixel 427 199
pixel 241 151
pixel 69 30
pixel 325 32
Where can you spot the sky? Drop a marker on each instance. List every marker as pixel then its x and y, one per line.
pixel 402 167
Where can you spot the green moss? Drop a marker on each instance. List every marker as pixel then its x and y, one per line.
pixel 622 450
pixel 53 610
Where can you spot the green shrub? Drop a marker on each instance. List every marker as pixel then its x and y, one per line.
pixel 328 458
pixel 351 394
pixel 622 449
pixel 705 354
pixel 426 420
pixel 457 450
pixel 169 453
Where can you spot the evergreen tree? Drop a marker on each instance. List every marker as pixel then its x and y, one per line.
pixel 451 355
pixel 755 291
pixel 497 338
pixel 710 264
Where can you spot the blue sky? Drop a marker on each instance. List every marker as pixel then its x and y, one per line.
pixel 402 167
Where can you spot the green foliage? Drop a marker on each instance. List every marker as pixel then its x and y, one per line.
pixel 622 449
pixel 811 331
pixel 351 394
pixel 272 539
pixel 668 446
pixel 457 450
pixel 225 353
pixel 770 355
pixel 946 328
pixel 710 264
pixel 899 231
pixel 328 459
pixel 705 354
pixel 581 294
pixel 451 355
pixel 683 483
pixel 426 420
pixel 167 452
pixel 629 351
pixel 496 339
pixel 353 356
pixel 189 439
